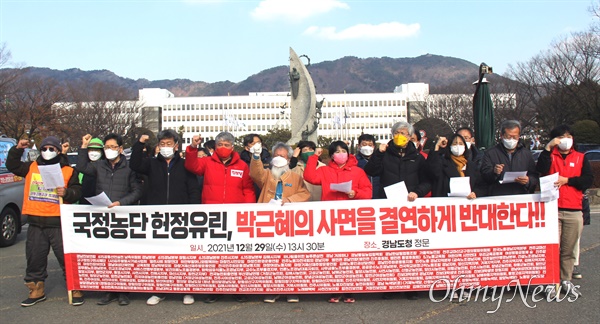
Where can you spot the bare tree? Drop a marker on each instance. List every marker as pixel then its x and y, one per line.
pixel 561 84
pixel 26 108
pixel 98 109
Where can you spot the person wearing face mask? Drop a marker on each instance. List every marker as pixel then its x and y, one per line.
pixel 399 160
pixel 366 147
pixel 451 161
pixel 113 177
pixel 278 183
pixel 475 154
pixel 226 179
pixel 42 207
pixel 302 152
pixel 342 168
pixel 88 182
pixel 509 155
pixel 168 182
pixel 574 177
pixel 249 141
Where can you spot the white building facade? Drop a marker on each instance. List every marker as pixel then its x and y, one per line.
pixel 343 116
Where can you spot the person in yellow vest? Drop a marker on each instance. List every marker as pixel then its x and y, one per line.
pixel 42 208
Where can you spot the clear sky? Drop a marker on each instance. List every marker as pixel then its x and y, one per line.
pixel 231 40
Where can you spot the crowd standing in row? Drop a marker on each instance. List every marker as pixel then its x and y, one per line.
pixel 217 174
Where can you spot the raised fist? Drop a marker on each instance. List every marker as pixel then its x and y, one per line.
pixel 144 138
pixel 85 140
pixel 256 149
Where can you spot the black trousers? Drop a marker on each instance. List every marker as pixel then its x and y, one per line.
pixel 37 248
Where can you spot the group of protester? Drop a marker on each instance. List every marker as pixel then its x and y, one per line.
pixel 217 174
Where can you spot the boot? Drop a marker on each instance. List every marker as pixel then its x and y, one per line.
pixel 36 293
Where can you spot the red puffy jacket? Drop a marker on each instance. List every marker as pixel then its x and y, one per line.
pixel 332 173
pixel 223 184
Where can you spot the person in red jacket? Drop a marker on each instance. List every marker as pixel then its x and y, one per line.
pixel 342 167
pixel 226 179
pixel 574 177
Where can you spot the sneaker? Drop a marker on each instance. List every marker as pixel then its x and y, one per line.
pixel 109 298
pixel 550 291
pixel 154 300
pixel 570 289
pixel 77 298
pixel 188 299
pixel 576 274
pixel 123 299
pixel 270 298
pixel 211 299
pixel 293 299
pixel 32 301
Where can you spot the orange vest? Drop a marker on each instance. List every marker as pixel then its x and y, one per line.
pixel 38 201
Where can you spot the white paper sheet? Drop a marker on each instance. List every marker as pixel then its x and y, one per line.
pixel 459 187
pixel 99 200
pixel 52 176
pixel 509 177
pixel 341 187
pixel 548 190
pixel 397 192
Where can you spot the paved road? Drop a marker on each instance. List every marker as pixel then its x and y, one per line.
pixel 312 309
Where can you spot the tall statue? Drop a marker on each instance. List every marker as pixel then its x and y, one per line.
pixel 305 114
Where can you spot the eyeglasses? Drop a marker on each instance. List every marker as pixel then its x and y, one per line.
pixel 51 149
pixel 112 147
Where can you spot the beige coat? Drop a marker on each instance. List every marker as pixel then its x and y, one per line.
pixel 315 190
pixel 293 184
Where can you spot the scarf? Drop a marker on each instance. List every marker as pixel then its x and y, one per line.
pixel 460 162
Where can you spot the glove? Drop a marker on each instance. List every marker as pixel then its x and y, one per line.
pixel 256 149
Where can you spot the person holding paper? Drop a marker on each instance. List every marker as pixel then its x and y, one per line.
pixel 399 160
pixel 342 168
pixel 341 171
pixel 508 156
pixel 116 180
pixel 42 207
pixel 574 177
pixel 453 161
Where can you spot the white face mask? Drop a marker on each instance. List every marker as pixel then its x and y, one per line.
pixel 279 161
pixel 510 144
pixel 167 152
pixel 468 145
pixel 47 155
pixel 565 144
pixel 94 155
pixel 111 154
pixel 366 150
pixel 457 150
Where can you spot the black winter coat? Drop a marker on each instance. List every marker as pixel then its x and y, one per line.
pixel 168 184
pixel 442 168
pixel 119 183
pixel 521 160
pixel 393 168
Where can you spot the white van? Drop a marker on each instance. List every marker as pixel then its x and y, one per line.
pixel 11 197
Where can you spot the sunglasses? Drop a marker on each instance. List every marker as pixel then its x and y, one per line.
pixel 51 149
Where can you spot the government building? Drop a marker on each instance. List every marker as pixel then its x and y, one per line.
pixel 344 116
